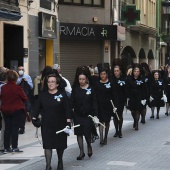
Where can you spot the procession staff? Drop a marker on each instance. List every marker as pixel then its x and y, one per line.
pixel 120 85
pixel 146 75
pixel 105 91
pixel 53 105
pixel 83 102
pixel 156 94
pixel 136 94
pixel 167 88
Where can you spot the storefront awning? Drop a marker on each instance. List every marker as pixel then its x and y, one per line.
pixel 9 15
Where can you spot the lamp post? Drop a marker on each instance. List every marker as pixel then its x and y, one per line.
pixel 166 37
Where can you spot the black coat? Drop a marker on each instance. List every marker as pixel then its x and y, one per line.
pixel 167 87
pixel 136 91
pixel 83 101
pixel 106 92
pixel 156 91
pixel 55 113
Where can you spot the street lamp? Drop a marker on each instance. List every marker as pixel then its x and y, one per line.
pixel 166 37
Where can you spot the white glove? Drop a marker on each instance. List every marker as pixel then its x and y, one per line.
pixel 114 109
pixel 164 98
pixel 95 120
pixel 143 102
pixel 68 130
pixel 151 98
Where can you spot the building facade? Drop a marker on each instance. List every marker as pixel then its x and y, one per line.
pixel 87 34
pixel 140 44
pixel 13 34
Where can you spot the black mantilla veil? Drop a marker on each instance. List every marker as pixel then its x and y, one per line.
pixel 145 69
pixel 126 62
pixel 104 67
pixel 81 70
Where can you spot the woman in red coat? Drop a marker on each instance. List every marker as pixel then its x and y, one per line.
pixel 12 107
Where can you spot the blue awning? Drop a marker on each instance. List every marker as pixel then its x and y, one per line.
pixel 9 15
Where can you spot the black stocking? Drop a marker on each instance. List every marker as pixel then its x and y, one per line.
pixel 48 156
pixel 80 143
pixel 143 114
pixel 152 109
pixel 120 124
pixel 167 107
pixel 101 133
pixel 60 154
pixel 136 119
pixel 133 113
pixel 106 130
pixel 116 125
pixel 89 147
pixel 158 109
pixel 60 158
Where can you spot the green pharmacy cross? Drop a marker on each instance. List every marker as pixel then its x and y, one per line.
pixel 130 15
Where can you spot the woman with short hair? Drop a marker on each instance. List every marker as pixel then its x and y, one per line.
pixel 12 107
pixel 55 111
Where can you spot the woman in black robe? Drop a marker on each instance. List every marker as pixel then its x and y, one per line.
pixel 83 102
pixel 120 85
pixel 105 91
pixel 54 108
pixel 136 94
pixel 167 88
pixel 156 94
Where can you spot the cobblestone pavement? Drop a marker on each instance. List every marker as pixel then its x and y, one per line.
pixel 145 149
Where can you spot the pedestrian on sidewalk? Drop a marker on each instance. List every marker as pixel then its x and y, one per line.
pixel 83 102
pixel 25 82
pixel 120 85
pixel 53 105
pixel 12 107
pixel 156 94
pixel 2 124
pixel 105 92
pixel 136 94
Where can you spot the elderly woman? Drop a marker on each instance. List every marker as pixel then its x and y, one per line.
pixel 12 108
pixel 54 108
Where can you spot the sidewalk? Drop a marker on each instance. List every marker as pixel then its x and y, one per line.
pixel 146 149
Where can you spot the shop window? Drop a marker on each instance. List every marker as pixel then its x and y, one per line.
pixel 45 4
pixel 92 3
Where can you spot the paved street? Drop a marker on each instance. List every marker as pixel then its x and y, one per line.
pixel 146 149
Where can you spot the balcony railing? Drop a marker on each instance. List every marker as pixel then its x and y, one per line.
pixel 12 2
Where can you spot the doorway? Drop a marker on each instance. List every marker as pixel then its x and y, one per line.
pixel 13 46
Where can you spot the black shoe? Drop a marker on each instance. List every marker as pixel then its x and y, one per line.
pixel 81 157
pixel 21 131
pixel 60 165
pixel 7 150
pixel 142 121
pixel 16 150
pixel 105 142
pixel 166 113
pixel 90 152
pixel 116 135
pixel 136 128
pixel 48 168
pixel 157 117
pixel 120 134
pixel 152 117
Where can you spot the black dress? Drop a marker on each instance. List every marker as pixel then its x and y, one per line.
pixel 167 88
pixel 105 92
pixel 121 89
pixel 83 101
pixel 156 91
pixel 55 111
pixel 136 91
